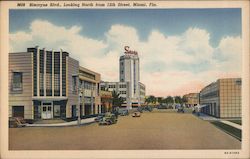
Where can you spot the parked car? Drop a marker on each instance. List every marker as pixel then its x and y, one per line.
pixel 148 108
pixel 136 114
pixel 140 109
pixel 16 122
pixel 124 112
pixel 162 107
pixel 99 117
pixel 108 119
pixel 180 109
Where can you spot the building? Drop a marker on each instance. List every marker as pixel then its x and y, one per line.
pixel 106 101
pixel 222 99
pixel 192 99
pixel 130 88
pixel 123 88
pixel 45 85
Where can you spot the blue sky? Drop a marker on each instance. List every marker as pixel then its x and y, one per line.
pixel 219 22
pixel 186 48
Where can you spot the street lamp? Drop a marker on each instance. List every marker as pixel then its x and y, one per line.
pixel 79 106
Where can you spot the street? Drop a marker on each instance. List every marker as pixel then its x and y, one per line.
pixel 157 130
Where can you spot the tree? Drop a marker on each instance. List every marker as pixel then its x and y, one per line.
pixel 116 99
pixel 184 99
pixel 169 100
pixel 151 99
pixel 178 99
pixel 160 100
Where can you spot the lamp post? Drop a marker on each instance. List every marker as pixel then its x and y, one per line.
pixel 79 107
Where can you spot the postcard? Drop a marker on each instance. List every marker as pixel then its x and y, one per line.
pixel 125 79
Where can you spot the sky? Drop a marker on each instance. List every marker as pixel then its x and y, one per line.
pixel 180 50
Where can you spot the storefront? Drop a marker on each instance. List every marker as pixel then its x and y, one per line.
pixel 47 109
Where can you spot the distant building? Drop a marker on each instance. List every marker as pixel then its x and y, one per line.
pixel 123 89
pixel 192 99
pixel 45 85
pixel 130 88
pixel 222 99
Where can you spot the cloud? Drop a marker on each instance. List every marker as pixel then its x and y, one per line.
pixel 170 64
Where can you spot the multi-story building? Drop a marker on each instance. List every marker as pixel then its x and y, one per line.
pixel 45 85
pixel 130 88
pixel 192 99
pixel 222 99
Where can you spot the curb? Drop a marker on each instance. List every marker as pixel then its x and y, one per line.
pixel 72 123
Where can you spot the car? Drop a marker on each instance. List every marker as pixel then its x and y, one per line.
pixel 124 112
pixel 98 118
pixel 148 108
pixel 140 109
pixel 16 122
pixel 136 114
pixel 108 119
pixel 162 107
pixel 180 110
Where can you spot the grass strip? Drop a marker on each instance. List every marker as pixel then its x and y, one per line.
pixel 228 129
pixel 235 121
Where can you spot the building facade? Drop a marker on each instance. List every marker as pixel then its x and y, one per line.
pixel 130 88
pixel 45 85
pixel 192 99
pixel 106 101
pixel 222 99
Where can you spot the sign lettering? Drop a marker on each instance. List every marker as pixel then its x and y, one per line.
pixel 129 52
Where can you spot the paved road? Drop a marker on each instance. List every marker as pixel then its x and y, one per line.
pixel 156 130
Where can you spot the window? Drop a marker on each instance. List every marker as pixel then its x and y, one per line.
pixel 17 83
pixel 111 86
pixel 57 81
pixel 18 111
pixel 122 86
pixel 74 85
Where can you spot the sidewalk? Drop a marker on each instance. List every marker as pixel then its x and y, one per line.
pixel 211 118
pixel 72 123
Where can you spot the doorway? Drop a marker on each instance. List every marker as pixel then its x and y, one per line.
pixel 47 112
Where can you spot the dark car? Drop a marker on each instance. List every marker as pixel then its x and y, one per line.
pixel 148 108
pixel 108 119
pixel 162 107
pixel 140 109
pixel 98 118
pixel 180 109
pixel 124 112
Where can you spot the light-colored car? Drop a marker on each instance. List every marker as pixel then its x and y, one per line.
pixel 136 114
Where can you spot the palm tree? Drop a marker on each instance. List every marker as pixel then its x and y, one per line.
pixel 116 99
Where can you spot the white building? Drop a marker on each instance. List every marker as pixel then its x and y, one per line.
pixel 129 86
